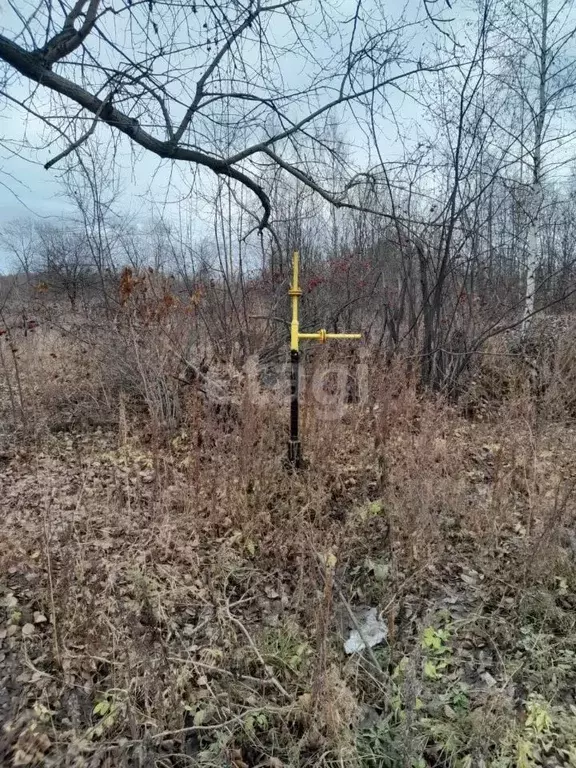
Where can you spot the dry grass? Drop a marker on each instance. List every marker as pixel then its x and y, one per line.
pixel 173 595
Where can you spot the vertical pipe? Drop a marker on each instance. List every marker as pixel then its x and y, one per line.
pixel 294 294
pixel 294 447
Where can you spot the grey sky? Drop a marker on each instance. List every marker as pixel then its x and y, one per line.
pixel 29 190
pixel 150 187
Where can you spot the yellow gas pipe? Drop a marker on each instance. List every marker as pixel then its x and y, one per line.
pixel 294 446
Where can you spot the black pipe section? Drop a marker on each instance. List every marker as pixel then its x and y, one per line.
pixel 294 446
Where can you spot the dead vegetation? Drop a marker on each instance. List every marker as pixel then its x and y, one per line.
pixel 172 595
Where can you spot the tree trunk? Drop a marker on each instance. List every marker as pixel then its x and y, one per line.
pixel 536 192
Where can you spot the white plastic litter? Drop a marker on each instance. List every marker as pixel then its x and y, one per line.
pixel 373 630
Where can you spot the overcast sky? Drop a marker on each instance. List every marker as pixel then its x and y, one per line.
pixel 150 187
pixel 27 190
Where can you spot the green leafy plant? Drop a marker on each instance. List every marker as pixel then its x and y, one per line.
pixel 546 737
pixel 110 709
pixel 285 648
pixel 255 722
pixel 435 643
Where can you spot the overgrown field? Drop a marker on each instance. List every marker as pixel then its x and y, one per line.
pixel 172 595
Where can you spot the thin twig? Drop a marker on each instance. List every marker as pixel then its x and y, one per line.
pixel 51 583
pixel 258 655
pixel 232 721
pixel 85 136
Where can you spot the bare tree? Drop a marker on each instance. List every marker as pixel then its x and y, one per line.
pixel 93 190
pixel 20 240
pixel 539 74
pixel 63 260
pixel 209 83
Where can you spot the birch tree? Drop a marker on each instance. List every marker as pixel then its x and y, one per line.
pixel 537 42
